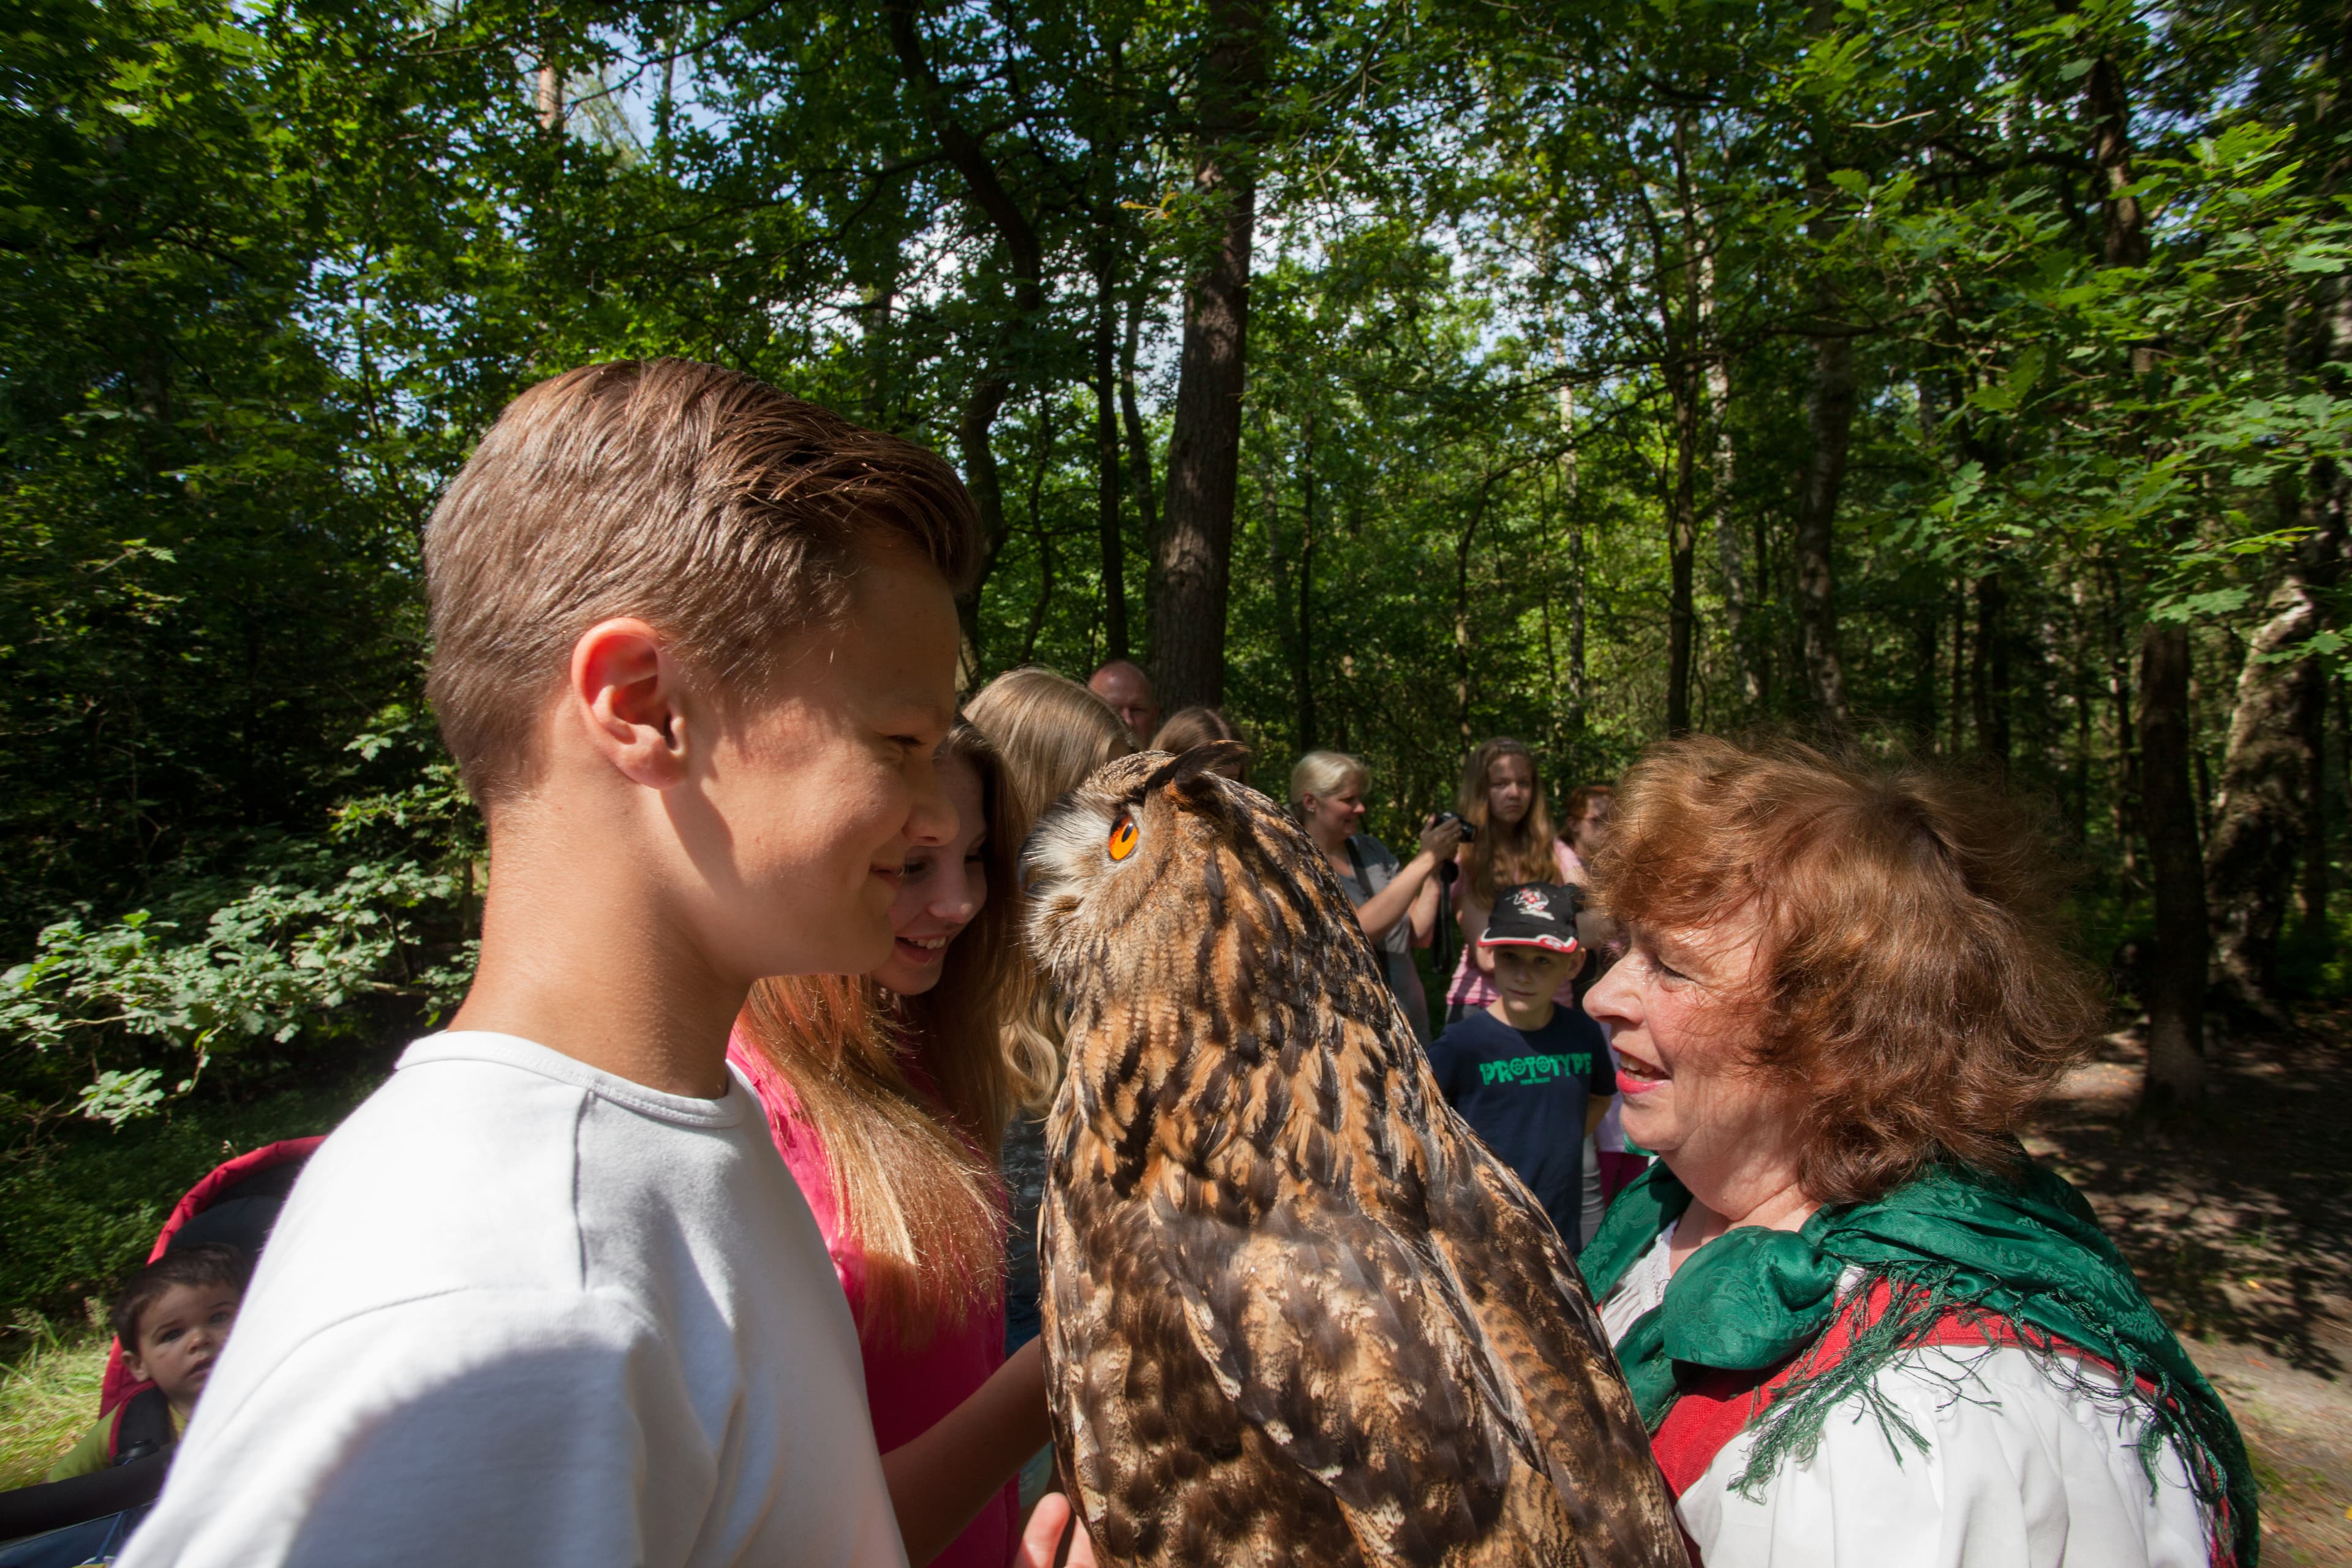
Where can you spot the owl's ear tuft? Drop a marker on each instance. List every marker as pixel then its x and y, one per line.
pixel 1186 772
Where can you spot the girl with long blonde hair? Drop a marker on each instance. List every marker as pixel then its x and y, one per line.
pixel 888 1095
pixel 1502 799
pixel 1052 733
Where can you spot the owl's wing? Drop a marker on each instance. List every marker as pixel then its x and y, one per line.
pixel 1537 1323
pixel 1353 1352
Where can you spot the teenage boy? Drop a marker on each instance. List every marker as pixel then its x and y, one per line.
pixel 1531 1077
pixel 550 1296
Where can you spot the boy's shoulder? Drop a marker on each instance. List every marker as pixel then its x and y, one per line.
pixel 491 1163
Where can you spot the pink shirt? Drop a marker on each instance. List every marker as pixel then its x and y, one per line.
pixel 908 1391
pixel 1472 986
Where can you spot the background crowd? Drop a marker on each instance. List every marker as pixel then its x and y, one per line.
pixel 1837 991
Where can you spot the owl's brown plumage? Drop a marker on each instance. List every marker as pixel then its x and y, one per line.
pixel 1295 1311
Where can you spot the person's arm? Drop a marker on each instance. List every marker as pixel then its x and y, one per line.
pixel 1424 913
pixel 1596 1112
pixel 1474 917
pixel 86 1457
pixel 1379 913
pixel 941 1480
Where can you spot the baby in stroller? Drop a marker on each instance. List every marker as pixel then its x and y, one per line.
pixel 171 1321
pixel 170 1324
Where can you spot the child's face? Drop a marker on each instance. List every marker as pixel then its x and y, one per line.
pixel 941 889
pixel 180 1337
pixel 813 794
pixel 1528 975
pixel 1510 789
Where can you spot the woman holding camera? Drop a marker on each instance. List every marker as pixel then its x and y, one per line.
pixel 1397 904
pixel 1510 841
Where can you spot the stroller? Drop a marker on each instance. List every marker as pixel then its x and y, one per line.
pixel 87 1520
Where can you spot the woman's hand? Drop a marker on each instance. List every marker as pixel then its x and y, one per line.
pixel 1441 840
pixel 1043 1537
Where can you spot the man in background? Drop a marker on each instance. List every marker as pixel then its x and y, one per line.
pixel 1123 685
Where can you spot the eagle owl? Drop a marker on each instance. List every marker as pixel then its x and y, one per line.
pixel 1295 1311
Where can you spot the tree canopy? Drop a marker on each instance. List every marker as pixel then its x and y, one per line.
pixel 1966 379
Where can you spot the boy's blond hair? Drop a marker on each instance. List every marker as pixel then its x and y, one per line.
pixel 725 513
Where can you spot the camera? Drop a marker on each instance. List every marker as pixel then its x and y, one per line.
pixel 1469 829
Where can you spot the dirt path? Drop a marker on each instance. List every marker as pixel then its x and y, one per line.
pixel 2239 1220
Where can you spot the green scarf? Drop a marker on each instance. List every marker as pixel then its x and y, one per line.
pixel 1953 1239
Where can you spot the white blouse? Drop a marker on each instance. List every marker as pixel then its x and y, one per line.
pixel 2018 1472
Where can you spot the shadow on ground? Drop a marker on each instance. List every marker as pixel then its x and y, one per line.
pixel 2236 1218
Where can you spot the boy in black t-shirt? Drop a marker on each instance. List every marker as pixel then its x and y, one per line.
pixel 1531 1077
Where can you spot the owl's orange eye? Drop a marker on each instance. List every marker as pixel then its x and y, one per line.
pixel 1122 838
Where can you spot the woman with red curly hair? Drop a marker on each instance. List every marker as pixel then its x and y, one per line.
pixel 1863 1327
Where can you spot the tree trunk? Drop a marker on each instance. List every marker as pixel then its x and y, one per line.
pixel 1303 670
pixel 1829 423
pixel 1989 675
pixel 1680 308
pixel 1462 619
pixel 2266 813
pixel 1926 649
pixel 1829 417
pixel 1682 539
pixel 980 477
pixel 1831 426
pixel 2315 857
pixel 1044 604
pixel 1106 463
pixel 1192 562
pixel 1729 552
pixel 1138 442
pixel 2121 702
pixel 2176 1000
pixel 1575 527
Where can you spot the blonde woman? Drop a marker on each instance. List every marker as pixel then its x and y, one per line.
pixel 888 1095
pixel 1052 733
pixel 1503 800
pixel 1396 904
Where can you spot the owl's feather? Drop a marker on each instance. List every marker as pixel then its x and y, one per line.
pixel 1295 1310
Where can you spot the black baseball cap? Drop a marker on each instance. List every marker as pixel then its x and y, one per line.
pixel 1534 914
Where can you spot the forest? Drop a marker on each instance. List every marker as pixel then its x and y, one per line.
pixel 1959 380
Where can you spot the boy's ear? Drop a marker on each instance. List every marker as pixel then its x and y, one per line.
pixel 624 691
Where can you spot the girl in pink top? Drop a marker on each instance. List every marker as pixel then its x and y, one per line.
pixel 888 1096
pixel 1503 799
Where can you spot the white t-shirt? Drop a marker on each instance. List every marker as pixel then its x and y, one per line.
pixel 520 1311
pixel 2019 1472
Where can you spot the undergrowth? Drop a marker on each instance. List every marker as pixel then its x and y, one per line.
pixel 84 1203
pixel 49 1390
